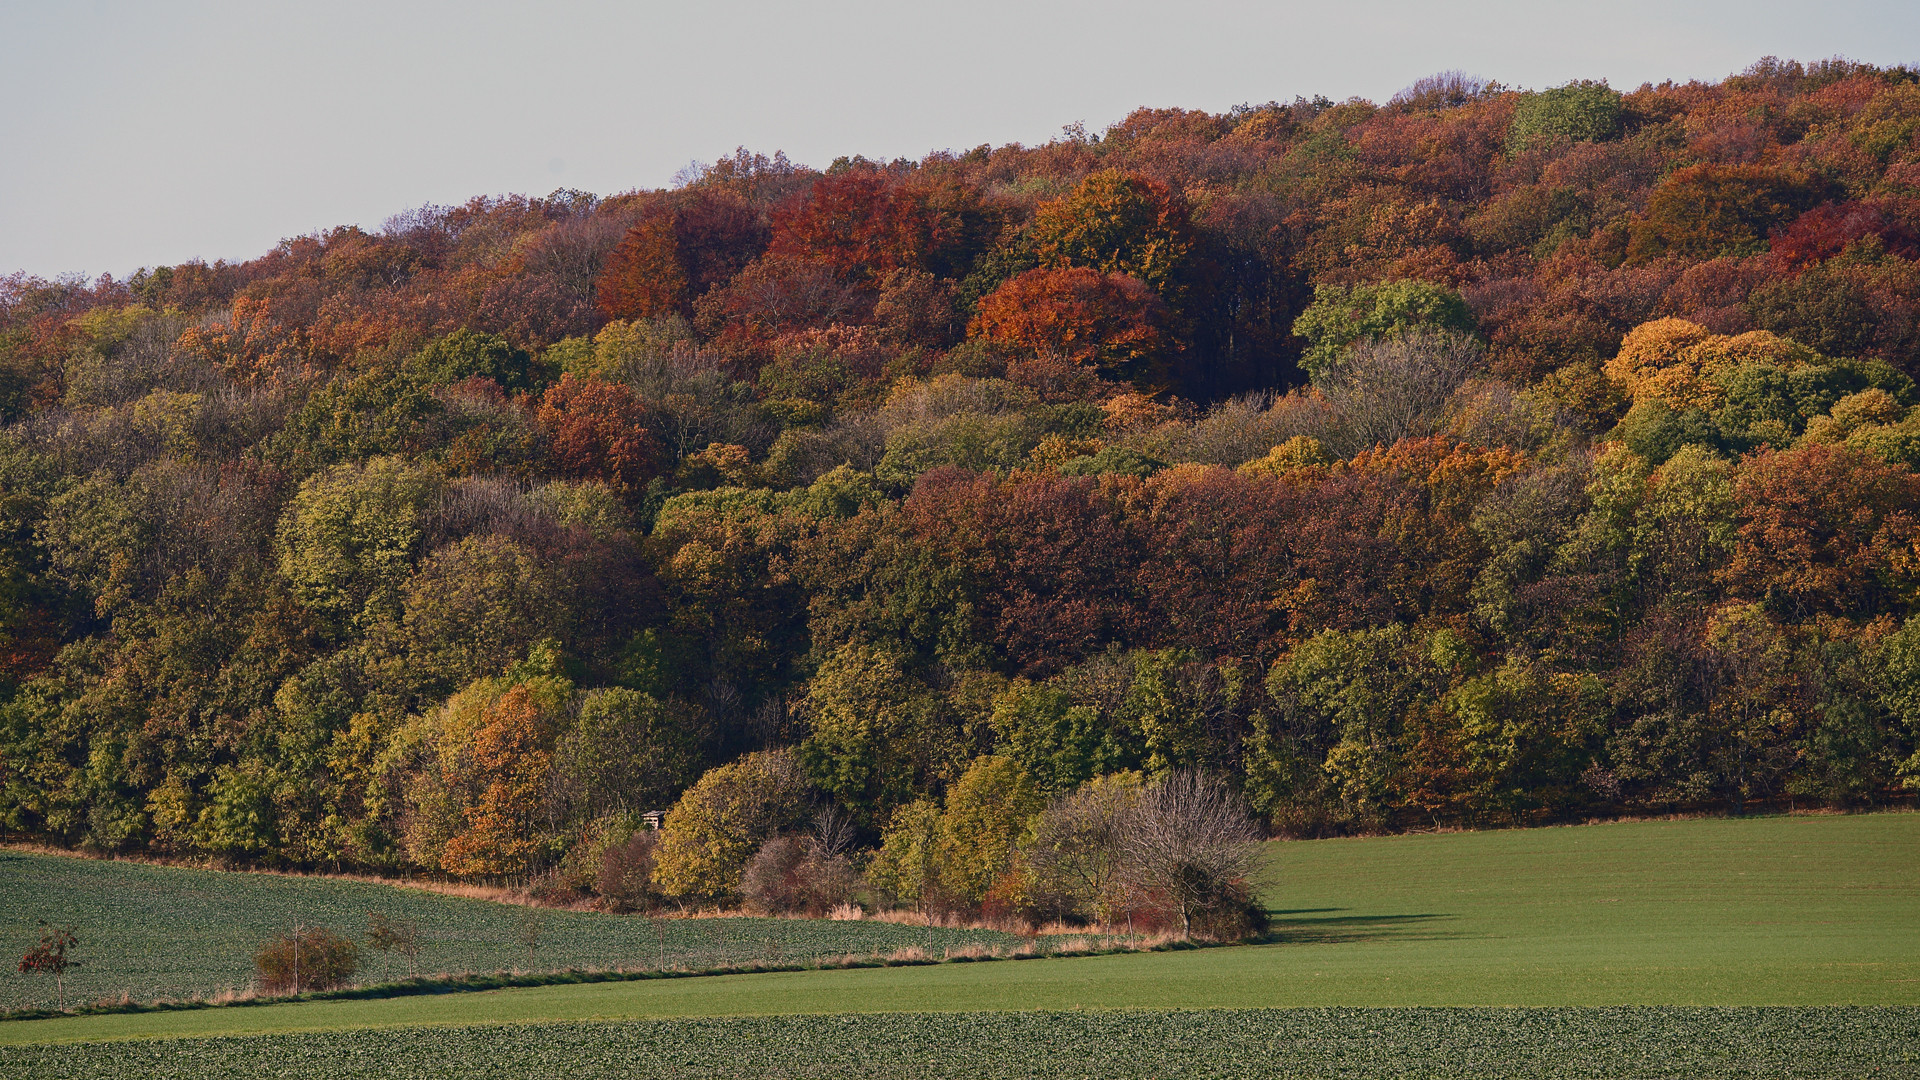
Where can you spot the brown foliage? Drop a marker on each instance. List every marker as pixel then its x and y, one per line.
pixel 597 430
pixel 310 959
pixel 1111 322
pixel 1824 530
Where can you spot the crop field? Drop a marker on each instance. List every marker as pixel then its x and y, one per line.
pixel 166 932
pixel 1643 1043
pixel 1638 949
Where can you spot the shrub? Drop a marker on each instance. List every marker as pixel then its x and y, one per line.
pixel 625 879
pixel 802 875
pixel 311 959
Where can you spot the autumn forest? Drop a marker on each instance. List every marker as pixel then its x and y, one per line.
pixel 1480 457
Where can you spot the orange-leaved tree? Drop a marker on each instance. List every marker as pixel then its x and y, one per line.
pixel 598 430
pixel 507 760
pixel 1111 322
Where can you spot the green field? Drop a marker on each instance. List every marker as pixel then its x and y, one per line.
pixel 1781 911
pixel 1694 1044
pixel 167 932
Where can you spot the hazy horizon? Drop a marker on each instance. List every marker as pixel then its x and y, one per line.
pixel 215 130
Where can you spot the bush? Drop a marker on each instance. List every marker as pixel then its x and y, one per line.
pixel 803 875
pixel 792 876
pixel 625 880
pixel 314 959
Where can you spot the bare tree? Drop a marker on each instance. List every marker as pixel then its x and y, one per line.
pixel 1191 840
pixel 387 935
pixel 1391 389
pixel 1078 850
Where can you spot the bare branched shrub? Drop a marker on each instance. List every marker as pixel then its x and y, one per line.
pixel 797 876
pixel 1191 842
pixel 625 880
pixel 387 935
pixel 1237 430
pixel 1391 389
pixel 1444 90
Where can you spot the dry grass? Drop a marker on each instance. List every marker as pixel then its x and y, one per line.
pixel 524 896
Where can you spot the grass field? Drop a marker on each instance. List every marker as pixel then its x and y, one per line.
pixel 1695 1044
pixel 167 932
pixel 1800 911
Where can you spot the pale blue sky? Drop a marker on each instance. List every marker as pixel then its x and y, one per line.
pixel 146 133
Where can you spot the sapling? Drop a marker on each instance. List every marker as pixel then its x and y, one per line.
pixel 51 956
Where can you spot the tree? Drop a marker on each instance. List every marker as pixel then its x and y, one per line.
pixel 908 865
pixel 800 875
pixel 708 837
pixel 626 753
pixel 390 935
pixel 1707 210
pixel 1191 842
pixel 1058 743
pixel 1822 529
pixel 1116 222
pixel 1109 322
pixel 598 430
pixel 464 354
pixel 624 879
pixel 349 537
pixel 680 249
pixel 1398 388
pixel 1340 316
pixel 1343 699
pixel 1580 111
pixel 986 815
pixel 475 607
pixel 51 957
pixel 878 734
pixel 1078 847
pixel 507 761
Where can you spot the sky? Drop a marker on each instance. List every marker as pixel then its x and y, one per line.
pixel 149 133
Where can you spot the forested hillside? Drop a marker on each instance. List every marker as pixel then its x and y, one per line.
pixel 1478 457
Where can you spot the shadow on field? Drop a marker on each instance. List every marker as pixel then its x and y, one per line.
pixel 1326 926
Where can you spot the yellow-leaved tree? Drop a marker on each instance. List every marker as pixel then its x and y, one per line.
pixel 723 819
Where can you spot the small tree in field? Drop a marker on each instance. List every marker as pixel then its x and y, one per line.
pixel 533 927
pixel 385 935
pixel 308 959
pixel 51 956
